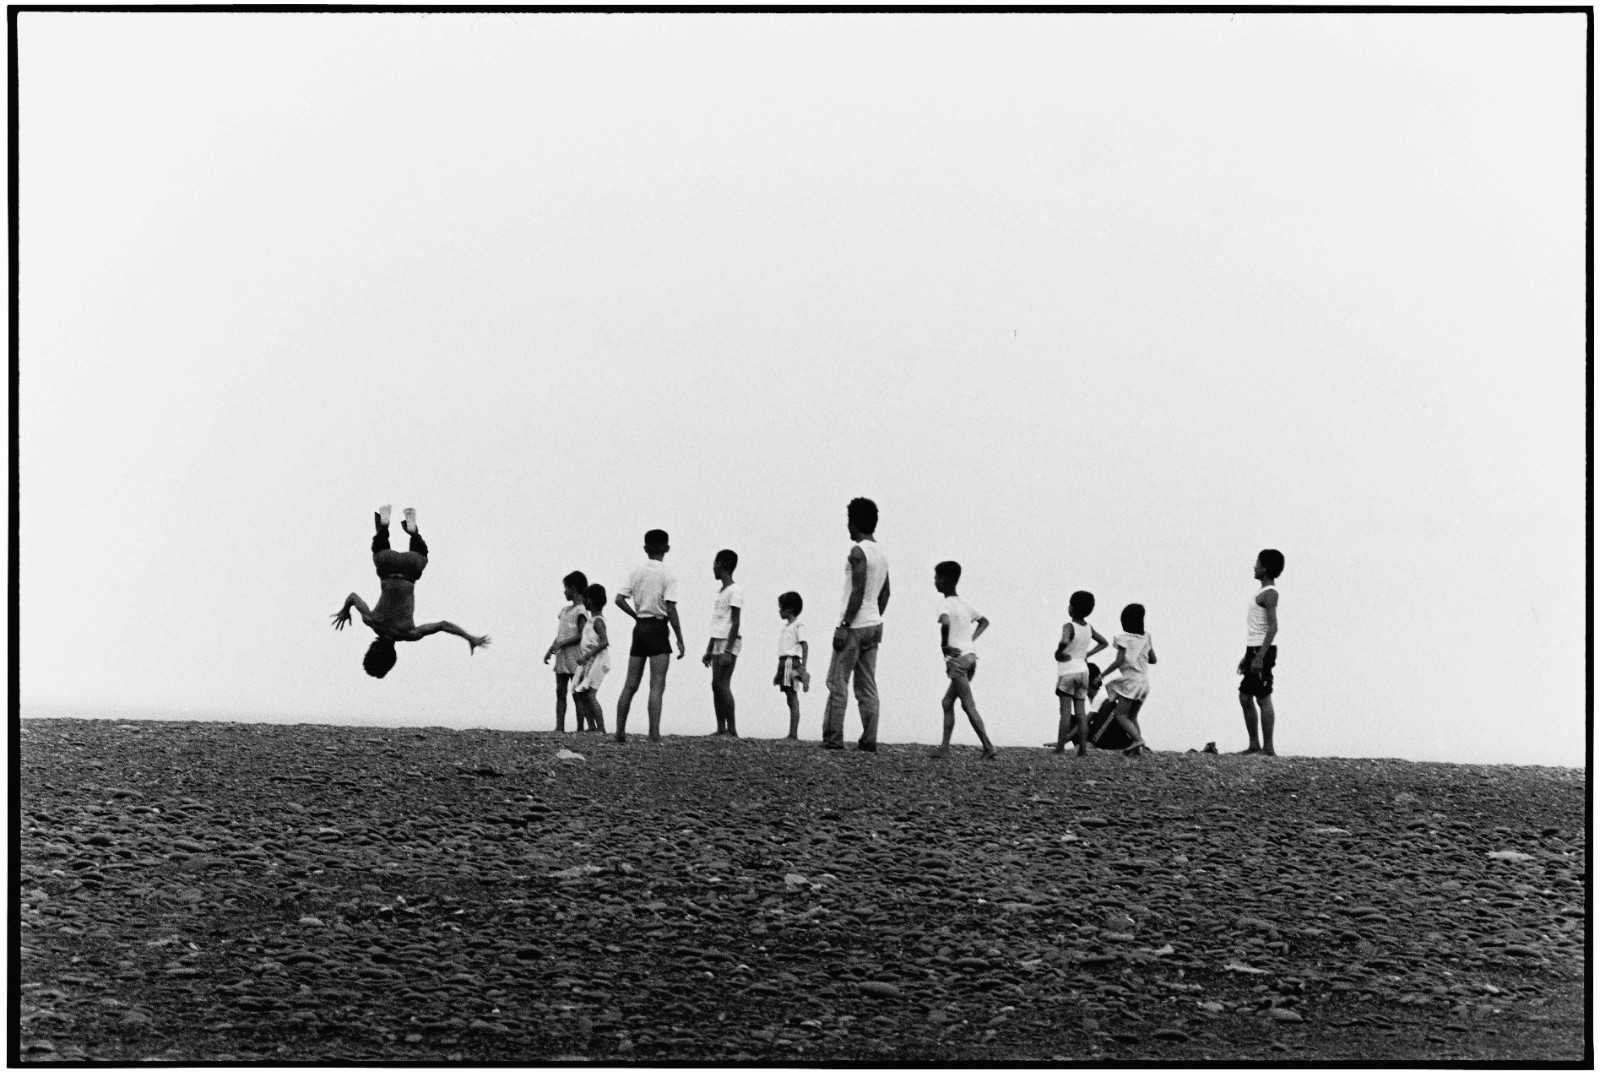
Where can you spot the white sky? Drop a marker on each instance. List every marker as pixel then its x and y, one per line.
pixel 1102 302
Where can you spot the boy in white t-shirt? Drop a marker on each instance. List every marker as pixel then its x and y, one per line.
pixel 959 627
pixel 722 649
pixel 793 650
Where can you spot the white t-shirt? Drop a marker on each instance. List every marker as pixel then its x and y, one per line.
pixel 961 616
pixel 650 587
pixel 728 598
pixel 1135 653
pixel 790 638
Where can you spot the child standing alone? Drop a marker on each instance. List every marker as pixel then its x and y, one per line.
pixel 793 650
pixel 1135 653
pixel 569 634
pixel 1072 671
pixel 959 627
pixel 594 653
pixel 722 648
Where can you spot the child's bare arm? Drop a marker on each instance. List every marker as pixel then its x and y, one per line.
pixel 672 618
pixel 805 653
pixel 602 640
pixel 1152 653
pixel 622 603
pixel 983 625
pixel 342 617
pixel 944 635
pixel 733 628
pixel 1100 643
pixel 445 626
pixel 1066 637
pixel 1115 664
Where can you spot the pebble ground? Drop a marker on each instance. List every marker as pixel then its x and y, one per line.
pixel 214 892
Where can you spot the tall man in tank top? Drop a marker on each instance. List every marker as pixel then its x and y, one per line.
pixel 859 631
pixel 653 590
pixel 1260 653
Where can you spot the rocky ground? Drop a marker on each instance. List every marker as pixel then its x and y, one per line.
pixel 245 892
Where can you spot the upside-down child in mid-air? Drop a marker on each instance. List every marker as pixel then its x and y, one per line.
pixel 594 661
pixel 569 635
pixel 391 620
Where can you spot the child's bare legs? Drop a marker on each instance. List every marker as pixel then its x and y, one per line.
pixel 961 688
pixel 1262 745
pixel 1123 716
pixel 590 716
pixel 722 693
pixel 1064 732
pixel 630 687
pixel 948 704
pixel 562 679
pixel 793 698
pixel 659 664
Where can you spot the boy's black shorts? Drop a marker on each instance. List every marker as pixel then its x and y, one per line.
pixel 1258 686
pixel 650 637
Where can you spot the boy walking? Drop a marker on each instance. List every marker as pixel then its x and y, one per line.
pixel 722 649
pixel 653 590
pixel 1261 653
pixel 959 627
pixel 860 630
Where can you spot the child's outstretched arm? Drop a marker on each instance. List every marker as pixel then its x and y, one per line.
pixel 445 626
pixel 342 617
pixel 1115 664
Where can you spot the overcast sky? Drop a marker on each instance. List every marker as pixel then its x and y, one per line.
pixel 1103 302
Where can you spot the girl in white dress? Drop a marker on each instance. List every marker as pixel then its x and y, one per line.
pixel 1135 654
pixel 594 655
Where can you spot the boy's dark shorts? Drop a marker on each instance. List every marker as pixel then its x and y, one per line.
pixel 650 637
pixel 1258 686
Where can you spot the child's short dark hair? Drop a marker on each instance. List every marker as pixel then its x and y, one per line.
pixel 1080 604
pixel 790 602
pixel 380 657
pixel 655 538
pixel 727 558
pixel 1133 619
pixel 863 515
pixel 594 595
pixel 576 581
pixel 948 569
pixel 1272 560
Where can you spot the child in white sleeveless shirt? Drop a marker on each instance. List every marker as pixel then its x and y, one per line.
pixel 1135 653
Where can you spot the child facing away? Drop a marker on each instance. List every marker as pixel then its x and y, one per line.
pixel 722 648
pixel 793 650
pixel 1135 653
pixel 959 627
pixel 594 656
pixel 569 635
pixel 1073 671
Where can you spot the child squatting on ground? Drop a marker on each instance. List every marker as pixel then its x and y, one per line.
pixel 1072 671
pixel 1260 654
pixel 959 627
pixel 722 648
pixel 793 650
pixel 391 620
pixel 594 657
pixel 569 634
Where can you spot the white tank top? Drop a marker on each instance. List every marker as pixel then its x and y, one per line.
pixel 877 571
pixel 1077 651
pixel 1256 620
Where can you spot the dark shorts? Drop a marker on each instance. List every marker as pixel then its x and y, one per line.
pixel 650 637
pixel 399 565
pixel 1258 686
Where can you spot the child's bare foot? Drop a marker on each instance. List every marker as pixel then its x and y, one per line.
pixel 1249 750
pixel 1135 750
pixel 410 524
pixel 939 752
pixel 383 514
pixel 989 753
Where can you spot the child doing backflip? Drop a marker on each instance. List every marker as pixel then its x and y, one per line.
pixel 959 627
pixel 594 661
pixel 793 650
pixel 722 648
pixel 569 635
pixel 391 620
pixel 1072 671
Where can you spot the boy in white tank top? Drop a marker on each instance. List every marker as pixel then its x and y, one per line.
pixel 1072 671
pixel 1260 653
pixel 859 631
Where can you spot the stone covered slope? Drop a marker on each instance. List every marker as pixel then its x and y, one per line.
pixel 210 891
